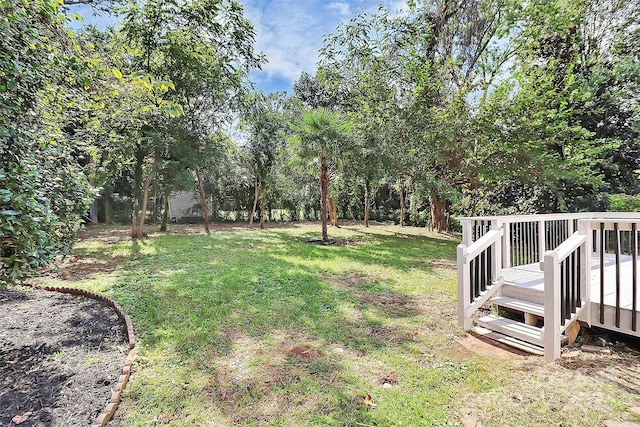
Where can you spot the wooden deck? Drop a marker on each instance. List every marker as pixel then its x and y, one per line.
pixel 530 277
pixel 500 259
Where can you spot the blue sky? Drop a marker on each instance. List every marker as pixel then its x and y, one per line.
pixel 289 32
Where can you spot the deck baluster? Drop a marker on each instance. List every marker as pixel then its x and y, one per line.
pixel 472 280
pixel 563 284
pixel 532 243
pixel 634 281
pixel 572 290
pixel 518 246
pixel 487 283
pixel 476 278
pixel 485 268
pixel 616 229
pixel 602 250
pixel 525 259
pixel 578 281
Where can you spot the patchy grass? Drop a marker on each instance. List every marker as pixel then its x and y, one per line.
pixel 262 328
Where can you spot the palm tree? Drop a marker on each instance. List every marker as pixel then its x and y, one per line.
pixel 320 136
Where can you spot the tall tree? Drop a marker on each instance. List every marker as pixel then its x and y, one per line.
pixel 204 49
pixel 319 137
pixel 266 123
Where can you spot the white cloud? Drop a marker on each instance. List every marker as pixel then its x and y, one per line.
pixel 342 8
pixel 290 32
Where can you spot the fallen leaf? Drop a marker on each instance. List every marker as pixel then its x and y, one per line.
pixel 19 419
pixel 367 400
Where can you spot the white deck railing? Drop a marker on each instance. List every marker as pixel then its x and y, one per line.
pixel 563 245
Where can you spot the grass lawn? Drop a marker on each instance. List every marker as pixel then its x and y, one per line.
pixel 262 328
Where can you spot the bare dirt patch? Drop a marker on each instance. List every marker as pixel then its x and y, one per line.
pixel 60 356
pixel 329 242
pixel 80 266
pixel 304 352
pixel 620 369
pixel 390 303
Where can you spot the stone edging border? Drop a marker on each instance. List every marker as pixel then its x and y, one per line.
pixel 116 393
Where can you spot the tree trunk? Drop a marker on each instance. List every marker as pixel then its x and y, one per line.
pixel 203 201
pixel 401 186
pixel 93 210
pixel 107 209
pixel 255 201
pixel 324 187
pixel 439 213
pixel 137 185
pixel 261 211
pixel 366 204
pixel 155 203
pixel 333 211
pixel 215 206
pixel 139 228
pixel 165 214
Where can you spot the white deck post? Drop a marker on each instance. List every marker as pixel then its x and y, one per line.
pixel 506 244
pixel 466 232
pixel 464 288
pixel 496 259
pixel 597 228
pixel 551 306
pixel 584 227
pixel 541 240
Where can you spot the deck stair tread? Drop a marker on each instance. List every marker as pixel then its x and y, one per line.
pixel 513 328
pixel 510 341
pixel 519 305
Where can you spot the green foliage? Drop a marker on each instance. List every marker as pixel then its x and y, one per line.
pixel 469 98
pixel 624 203
pixel 43 191
pixel 321 136
pixel 203 51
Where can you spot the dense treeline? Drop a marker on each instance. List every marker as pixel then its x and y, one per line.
pixel 443 108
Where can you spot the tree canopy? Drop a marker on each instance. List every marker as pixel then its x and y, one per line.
pixel 413 115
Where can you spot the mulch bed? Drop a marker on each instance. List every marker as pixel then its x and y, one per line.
pixel 60 357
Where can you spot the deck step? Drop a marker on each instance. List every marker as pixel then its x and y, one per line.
pixel 519 305
pixel 510 341
pixel 513 328
pixel 523 293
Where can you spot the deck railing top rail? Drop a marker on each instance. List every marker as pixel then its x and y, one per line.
pixel 555 216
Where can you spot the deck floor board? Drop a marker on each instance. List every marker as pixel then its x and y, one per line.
pixel 531 277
